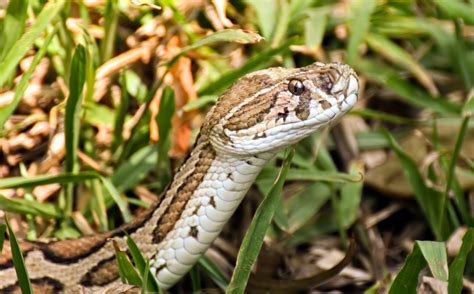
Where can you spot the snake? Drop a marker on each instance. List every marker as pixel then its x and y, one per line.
pixel 256 117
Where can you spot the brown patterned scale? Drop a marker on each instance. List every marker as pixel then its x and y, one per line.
pixel 257 116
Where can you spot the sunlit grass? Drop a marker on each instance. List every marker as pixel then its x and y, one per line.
pixel 419 54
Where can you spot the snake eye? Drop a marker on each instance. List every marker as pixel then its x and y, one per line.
pixel 296 87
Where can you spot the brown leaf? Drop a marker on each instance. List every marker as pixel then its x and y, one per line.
pixel 115 64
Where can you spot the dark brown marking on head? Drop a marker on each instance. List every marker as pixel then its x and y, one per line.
pixel 212 202
pixel 325 104
pixel 230 177
pixel 325 83
pixel 254 111
pixel 258 136
pixel 194 232
pixel 302 109
pixel 249 115
pixel 184 192
pixel 240 90
pixel 283 115
pixel 274 99
pixel 105 272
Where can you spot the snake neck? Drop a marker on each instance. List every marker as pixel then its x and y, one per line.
pixel 204 194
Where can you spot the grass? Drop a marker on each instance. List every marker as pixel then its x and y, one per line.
pixel 131 85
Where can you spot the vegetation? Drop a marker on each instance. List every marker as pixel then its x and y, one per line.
pixel 101 100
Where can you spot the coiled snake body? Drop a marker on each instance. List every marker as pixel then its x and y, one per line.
pixel 256 117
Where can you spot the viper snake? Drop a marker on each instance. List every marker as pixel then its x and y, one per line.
pixel 260 114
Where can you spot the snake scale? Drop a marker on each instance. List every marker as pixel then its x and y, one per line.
pixel 260 114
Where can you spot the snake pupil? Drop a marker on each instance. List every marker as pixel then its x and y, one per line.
pixel 296 87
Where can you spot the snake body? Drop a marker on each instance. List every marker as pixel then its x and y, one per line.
pixel 257 116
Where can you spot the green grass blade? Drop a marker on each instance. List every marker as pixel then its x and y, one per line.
pixel 227 35
pixel 213 272
pixel 398 56
pixel 456 268
pixel 460 200
pixel 351 193
pixel 195 279
pixel 111 16
pixel 299 212
pixel 142 266
pixel 284 18
pixel 258 61
pixel 134 85
pixel 146 281
pixel 457 9
pixel 266 15
pixel 19 262
pixel 436 257
pixel 374 114
pixel 468 108
pixel 200 103
pixel 13 25
pixel 90 66
pixel 390 78
pixel 431 201
pixel 315 26
pixel 280 217
pixel 139 164
pixel 3 231
pixel 407 279
pixel 73 107
pixel 21 47
pixel 20 89
pixel 163 119
pixel 72 122
pixel 312 175
pixel 253 239
pixel 361 12
pixel 454 47
pixel 144 285
pixel 418 97
pixel 64 178
pixel 97 115
pixel 24 206
pixel 121 114
pixel 121 202
pixel 98 205
pixel 128 273
pixel 387 76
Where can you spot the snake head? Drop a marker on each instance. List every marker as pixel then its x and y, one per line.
pixel 270 109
